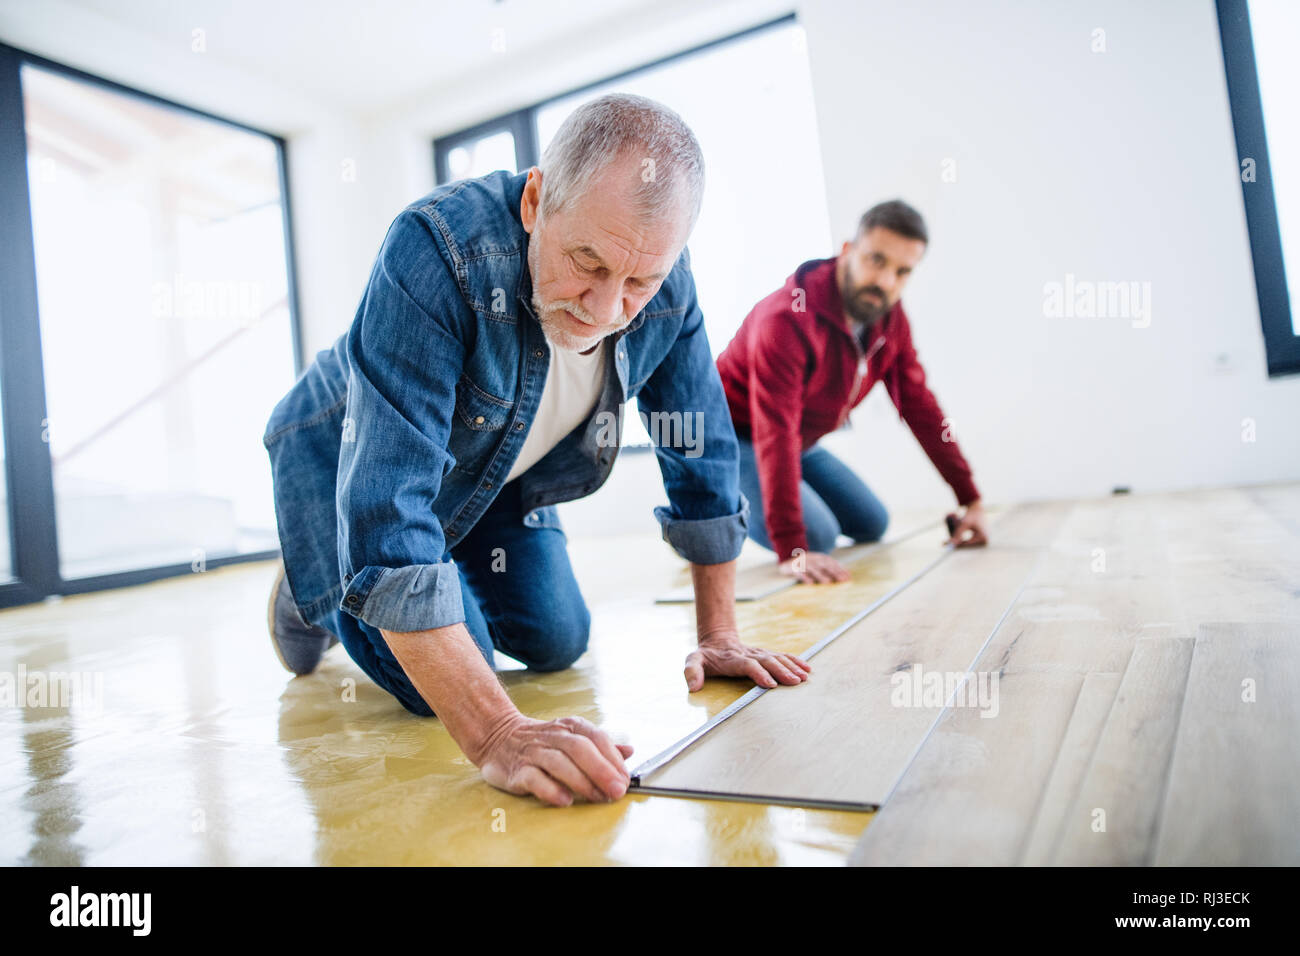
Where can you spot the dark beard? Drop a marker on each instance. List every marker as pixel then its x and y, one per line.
pixel 861 309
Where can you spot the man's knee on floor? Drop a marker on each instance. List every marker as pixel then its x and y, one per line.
pixel 417 706
pixel 873 531
pixel 821 537
pixel 555 640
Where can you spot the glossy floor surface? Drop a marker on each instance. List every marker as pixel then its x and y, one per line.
pixel 180 740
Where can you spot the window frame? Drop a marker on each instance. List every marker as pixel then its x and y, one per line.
pixel 29 475
pixel 1281 343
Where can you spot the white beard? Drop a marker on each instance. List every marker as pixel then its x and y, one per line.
pixel 549 316
pixel 561 338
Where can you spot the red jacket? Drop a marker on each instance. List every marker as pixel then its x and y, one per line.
pixel 793 373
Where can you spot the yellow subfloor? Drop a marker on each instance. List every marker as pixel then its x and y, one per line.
pixel 199 749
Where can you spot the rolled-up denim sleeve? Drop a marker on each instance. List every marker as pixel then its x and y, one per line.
pixel 695 443
pixel 405 354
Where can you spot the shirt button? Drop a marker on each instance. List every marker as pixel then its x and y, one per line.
pixel 352 599
pixel 479 420
pixel 519 427
pixel 487 484
pixel 622 354
pixel 537 353
pixel 452 532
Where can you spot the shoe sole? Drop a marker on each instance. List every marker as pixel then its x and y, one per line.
pixel 270 620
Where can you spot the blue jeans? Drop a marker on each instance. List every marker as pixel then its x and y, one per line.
pixel 520 597
pixel 835 500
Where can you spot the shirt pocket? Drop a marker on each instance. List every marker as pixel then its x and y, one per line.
pixel 477 427
pixel 478 410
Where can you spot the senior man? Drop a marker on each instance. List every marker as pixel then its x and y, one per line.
pixel 418 461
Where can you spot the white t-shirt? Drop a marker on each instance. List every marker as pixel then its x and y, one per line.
pixel 573 385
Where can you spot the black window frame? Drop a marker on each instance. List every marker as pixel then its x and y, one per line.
pixel 29 476
pixel 1281 343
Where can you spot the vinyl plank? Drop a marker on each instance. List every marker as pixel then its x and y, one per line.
pixel 975 787
pixel 847 734
pixel 1125 570
pixel 1281 502
pixel 1114 818
pixel 1234 785
pixel 1080 741
pixel 1231 559
pixel 971 793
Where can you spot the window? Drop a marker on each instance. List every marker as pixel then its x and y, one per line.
pixel 507 142
pixel 159 250
pixel 480 156
pixel 1262 78
pixel 764 208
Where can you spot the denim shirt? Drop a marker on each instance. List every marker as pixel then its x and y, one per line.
pixel 394 441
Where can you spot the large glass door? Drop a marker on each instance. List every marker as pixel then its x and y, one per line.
pixel 163 297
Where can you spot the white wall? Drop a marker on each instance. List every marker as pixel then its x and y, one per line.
pixel 1111 166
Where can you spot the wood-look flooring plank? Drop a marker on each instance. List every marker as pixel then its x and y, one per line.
pixel 975 787
pixel 1123 569
pixel 1234 785
pixel 1281 502
pixel 972 791
pixel 1114 817
pixel 1230 559
pixel 1077 747
pixel 847 734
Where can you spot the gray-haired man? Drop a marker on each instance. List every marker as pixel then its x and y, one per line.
pixel 418 461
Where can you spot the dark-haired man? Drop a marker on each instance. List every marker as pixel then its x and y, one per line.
pixel 802 360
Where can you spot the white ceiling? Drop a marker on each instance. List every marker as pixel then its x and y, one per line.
pixel 358 54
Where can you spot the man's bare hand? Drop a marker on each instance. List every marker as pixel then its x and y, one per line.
pixel 726 656
pixel 814 567
pixel 971 530
pixel 556 761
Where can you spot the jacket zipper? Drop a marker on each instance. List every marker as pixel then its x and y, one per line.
pixel 859 374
